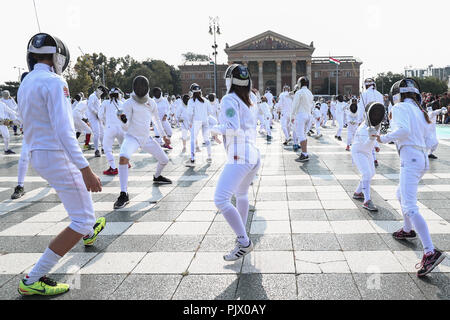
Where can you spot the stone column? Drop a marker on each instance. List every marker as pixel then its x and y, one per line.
pixel 294 74
pixel 260 77
pixel 309 73
pixel 278 76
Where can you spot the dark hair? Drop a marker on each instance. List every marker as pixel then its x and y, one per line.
pixel 42 57
pixel 198 96
pixel 413 96
pixel 243 93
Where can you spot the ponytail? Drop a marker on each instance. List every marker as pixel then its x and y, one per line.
pixel 413 96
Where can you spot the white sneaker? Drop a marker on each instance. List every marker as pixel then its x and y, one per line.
pixel 209 160
pixel 238 252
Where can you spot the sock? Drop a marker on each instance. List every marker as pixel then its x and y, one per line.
pixel 366 190
pixel 47 261
pixel 123 177
pixel 88 139
pixel 360 187
pixel 234 219
pixel 421 228
pixel 159 169
pixel 242 207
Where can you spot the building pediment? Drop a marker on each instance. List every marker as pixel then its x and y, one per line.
pixel 269 40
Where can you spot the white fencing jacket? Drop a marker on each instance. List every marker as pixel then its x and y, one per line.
pixel 44 105
pixel 303 102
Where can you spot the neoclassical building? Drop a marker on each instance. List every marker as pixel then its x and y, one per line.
pixel 274 61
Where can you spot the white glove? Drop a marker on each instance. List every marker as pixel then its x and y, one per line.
pixel 444 110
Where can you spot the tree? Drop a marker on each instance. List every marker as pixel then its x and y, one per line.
pixel 433 85
pixel 11 86
pixel 194 57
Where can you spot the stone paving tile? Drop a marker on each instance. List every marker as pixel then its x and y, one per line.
pixel 207 287
pixel 312 240
pixel 266 287
pixel 327 287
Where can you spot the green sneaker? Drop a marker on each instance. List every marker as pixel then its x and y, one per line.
pixel 44 287
pixel 98 227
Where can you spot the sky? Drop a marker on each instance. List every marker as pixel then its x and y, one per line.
pixel 387 35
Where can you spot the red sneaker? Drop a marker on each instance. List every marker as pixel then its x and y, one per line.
pixel 111 172
pixel 348 148
pixel 129 166
pixel 429 262
pixel 167 146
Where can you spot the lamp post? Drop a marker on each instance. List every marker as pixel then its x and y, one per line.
pixel 19 68
pixel 214 29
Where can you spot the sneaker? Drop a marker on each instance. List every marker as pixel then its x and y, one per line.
pixel 97 154
pixel 18 193
pixel 98 227
pixel 429 262
pixel 358 196
pixel 238 252
pixel 111 172
pixel 9 151
pixel 161 180
pixel 122 201
pixel 339 138
pixel 44 287
pixel 87 147
pixel 269 138
pixel 285 143
pixel 370 206
pixel 402 235
pixel 302 158
pixel 432 156
pixel 319 136
pixel 198 149
pixel 348 148
pixel 129 166
pixel 295 147
pixel 209 160
pixel 103 151
pixel 376 163
pixel 308 134
pixel 167 146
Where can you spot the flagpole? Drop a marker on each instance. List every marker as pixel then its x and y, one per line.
pixel 337 79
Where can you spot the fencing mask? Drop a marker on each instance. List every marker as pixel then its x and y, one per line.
pixel 375 113
pixel 140 89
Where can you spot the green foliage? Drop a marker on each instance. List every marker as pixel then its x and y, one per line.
pixel 90 71
pixel 385 81
pixel 195 57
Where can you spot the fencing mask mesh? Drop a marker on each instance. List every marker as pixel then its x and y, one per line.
pixel 375 113
pixel 140 86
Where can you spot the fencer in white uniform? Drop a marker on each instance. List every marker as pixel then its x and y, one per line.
pixel 138 112
pixel 411 134
pixel 11 103
pixel 324 111
pixel 79 113
pixel 199 110
pixel 94 102
pixel 269 96
pixel 353 122
pixel 265 117
pixel 301 113
pixel 7 117
pixel 333 110
pixel 368 96
pixel 243 159
pixel 164 113
pixel 433 114
pixel 44 106
pixel 285 104
pixel 184 120
pixel 108 111
pixel 317 116
pixel 340 112
pixel 364 143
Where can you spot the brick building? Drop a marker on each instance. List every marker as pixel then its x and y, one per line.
pixel 274 61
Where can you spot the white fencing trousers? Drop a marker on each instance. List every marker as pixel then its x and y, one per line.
pixel 414 164
pixel 112 133
pixel 5 134
pixel 81 126
pixel 236 180
pixel 196 127
pixel 66 179
pixel 97 129
pixel 318 123
pixel 365 165
pixel 184 131
pixel 340 121
pixel 130 145
pixel 351 131
pixel 285 120
pixel 302 121
pixel 22 167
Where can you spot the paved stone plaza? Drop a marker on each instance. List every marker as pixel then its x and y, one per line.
pixel 312 240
